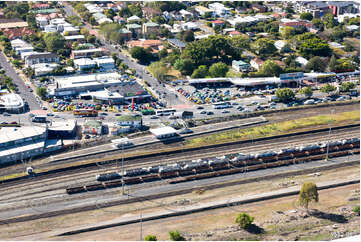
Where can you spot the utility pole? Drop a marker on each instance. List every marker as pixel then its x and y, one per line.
pixel 329 134
pixel 141 227
pixel 123 167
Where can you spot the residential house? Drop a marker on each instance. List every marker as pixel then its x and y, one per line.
pixel 70 30
pixel 50 28
pixel 126 34
pixel 150 12
pixel 133 19
pixel 75 54
pixel 12 23
pixel 352 27
pixel 105 62
pixel 75 38
pixel 93 8
pixel 39 5
pixel 41 21
pixel 186 15
pixel 228 30
pixel 37 58
pixel 240 66
pixel 20 46
pixel 2 15
pixel 105 20
pixel 119 20
pixel 150 28
pixel 176 43
pixel 258 8
pixel 217 23
pixel 94 127
pixel 203 10
pixel 341 18
pixel 234 33
pixel 14 33
pixel 219 9
pixel 84 64
pixel 156 45
pixel 279 44
pixel 302 61
pixel 294 23
pixel 136 29
pixel 256 63
pixel 189 26
pixel 280 63
pixel 42 69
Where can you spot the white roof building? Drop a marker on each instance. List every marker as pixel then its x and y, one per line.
pixel 105 20
pixel 279 44
pixel 301 60
pixel 11 102
pixel 133 18
pixel 163 132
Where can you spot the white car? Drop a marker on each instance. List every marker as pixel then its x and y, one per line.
pixel 309 102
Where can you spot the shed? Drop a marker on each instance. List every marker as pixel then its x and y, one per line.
pixel 164 132
pixel 183 114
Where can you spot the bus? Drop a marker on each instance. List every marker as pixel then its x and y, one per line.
pixel 85 112
pixel 221 105
pixel 39 119
pixel 165 112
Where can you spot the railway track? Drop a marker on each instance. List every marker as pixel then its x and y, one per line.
pixel 88 173
pixel 57 185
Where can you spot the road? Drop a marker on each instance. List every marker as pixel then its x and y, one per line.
pixel 24 91
pixel 170 97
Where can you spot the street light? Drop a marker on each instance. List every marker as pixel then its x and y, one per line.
pixel 329 134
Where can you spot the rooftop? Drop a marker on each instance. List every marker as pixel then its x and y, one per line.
pixel 125 118
pixel 163 131
pixel 13 134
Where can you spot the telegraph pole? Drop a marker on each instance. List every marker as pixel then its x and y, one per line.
pixel 123 167
pixel 329 134
pixel 141 227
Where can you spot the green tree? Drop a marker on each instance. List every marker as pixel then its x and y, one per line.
pixel 347 86
pixel 317 23
pixel 264 47
pixel 200 72
pixel 159 70
pixel 356 209
pixel 140 54
pixel 314 47
pixel 285 94
pixel 185 66
pixel 244 220
pixel 91 39
pixel 175 236
pixel 328 88
pixel 306 16
pixel 288 32
pixel 270 68
pixel 41 91
pixel 329 21
pixel 188 36
pixel 308 194
pixel 307 91
pixel 54 42
pixel 239 44
pixel 315 64
pixel 348 47
pixel 218 69
pixel 333 63
pixel 150 238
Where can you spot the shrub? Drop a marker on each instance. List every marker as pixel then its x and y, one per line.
pixel 244 220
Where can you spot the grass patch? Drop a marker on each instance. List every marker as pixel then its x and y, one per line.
pixel 317 237
pixel 15 175
pixel 276 128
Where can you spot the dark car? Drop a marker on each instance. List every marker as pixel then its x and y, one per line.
pixel 210 113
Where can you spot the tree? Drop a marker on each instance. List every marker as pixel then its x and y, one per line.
pixel 288 32
pixel 347 86
pixel 314 47
pixel 91 39
pixel 188 36
pixel 329 21
pixel 307 91
pixel 218 69
pixel 333 63
pixel 328 88
pixel 185 66
pixel 264 47
pixel 270 68
pixel 140 54
pixel 41 91
pixel 308 194
pixel 306 16
pixel 159 70
pixel 200 72
pixel 285 94
pixel 315 64
pixel 54 41
pixel 317 23
pixel 150 238
pixel 356 209
pixel 175 236
pixel 244 220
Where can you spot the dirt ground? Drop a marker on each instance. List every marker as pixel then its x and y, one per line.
pixel 195 226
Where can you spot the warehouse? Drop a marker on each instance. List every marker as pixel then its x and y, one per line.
pixel 164 132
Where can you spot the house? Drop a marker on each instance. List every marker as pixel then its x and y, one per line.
pixel 41 21
pixel 150 28
pixel 256 63
pixel 44 68
pixel 219 9
pixel 156 45
pixel 316 8
pixel 126 34
pixel 339 8
pixel 84 64
pixel 119 20
pixel 93 8
pixel 258 8
pixel 20 46
pixel 15 33
pixel 93 127
pixel 133 19
pixel 135 121
pixel 105 20
pixel 12 23
pixel 240 66
pixel 39 5
pixel 280 63
pixel 99 16
pixel 45 57
pixel 217 23
pixel 294 23
pixel 75 38
pixel 228 30
pixel 302 61
pixel 189 26
pixel 105 62
pixel 341 18
pixel 2 15
pixel 234 33
pixel 203 10
pixel 50 28
pixel 177 44
pixel 134 28
pixel 151 12
pixel 279 44
pixel 75 54
pixel 186 15
pixel 70 30
pixel 352 27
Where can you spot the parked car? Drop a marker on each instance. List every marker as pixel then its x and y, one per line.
pixel 210 113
